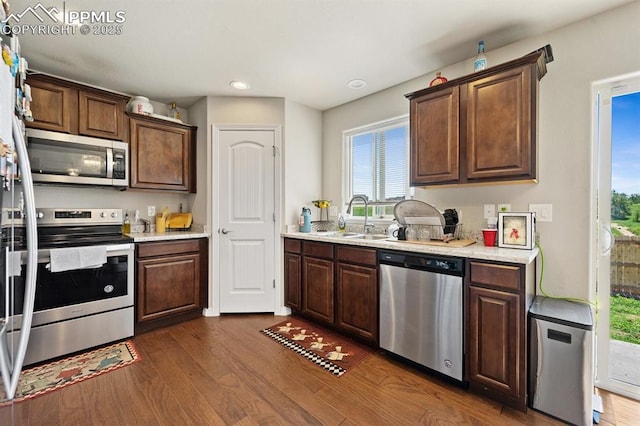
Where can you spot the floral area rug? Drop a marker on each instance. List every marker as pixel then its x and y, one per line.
pixel 48 377
pixel 331 351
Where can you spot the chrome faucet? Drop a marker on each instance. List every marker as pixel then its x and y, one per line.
pixel 366 209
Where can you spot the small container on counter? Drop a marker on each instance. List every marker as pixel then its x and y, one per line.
pixel 305 220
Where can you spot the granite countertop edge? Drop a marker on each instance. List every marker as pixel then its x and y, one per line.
pixel 196 231
pixel 474 251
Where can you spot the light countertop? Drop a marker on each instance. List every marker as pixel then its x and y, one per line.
pixel 474 251
pixel 196 231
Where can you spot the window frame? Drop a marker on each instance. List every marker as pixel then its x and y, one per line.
pixel 347 175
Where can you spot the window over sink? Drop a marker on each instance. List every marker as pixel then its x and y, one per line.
pixel 376 164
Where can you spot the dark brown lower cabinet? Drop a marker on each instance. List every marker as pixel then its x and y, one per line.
pixel 357 292
pixel 498 296
pixel 317 281
pixel 333 284
pixel 171 279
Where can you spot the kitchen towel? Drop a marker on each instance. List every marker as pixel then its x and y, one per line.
pixel 66 259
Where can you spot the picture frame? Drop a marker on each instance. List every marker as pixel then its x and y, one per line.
pixel 516 230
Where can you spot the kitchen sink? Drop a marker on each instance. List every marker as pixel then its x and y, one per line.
pixel 351 235
pixel 368 237
pixel 337 234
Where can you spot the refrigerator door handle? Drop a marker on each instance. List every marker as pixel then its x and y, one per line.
pixel 32 261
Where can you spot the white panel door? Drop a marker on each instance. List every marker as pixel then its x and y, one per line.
pixel 246 220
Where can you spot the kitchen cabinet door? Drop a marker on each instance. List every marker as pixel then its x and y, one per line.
pixel 495 348
pixel 292 283
pixel 477 128
pixel 70 107
pixel 357 300
pixel 171 282
pixel 101 115
pixel 168 285
pixel 500 131
pixel 54 106
pixel 162 154
pixel 434 137
pixel 317 289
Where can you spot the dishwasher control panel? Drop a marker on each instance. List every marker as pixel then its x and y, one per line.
pixel 445 265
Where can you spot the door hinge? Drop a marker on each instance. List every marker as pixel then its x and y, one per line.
pixel 274 217
pixel 274 150
pixel 274 283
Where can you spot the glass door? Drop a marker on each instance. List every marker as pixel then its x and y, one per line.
pixel 616 236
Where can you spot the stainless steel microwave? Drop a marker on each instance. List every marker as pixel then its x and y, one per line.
pixel 60 158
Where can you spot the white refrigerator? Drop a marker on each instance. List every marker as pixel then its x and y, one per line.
pixel 17 295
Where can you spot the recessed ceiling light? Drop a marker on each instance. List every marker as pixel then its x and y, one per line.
pixel 356 83
pixel 240 85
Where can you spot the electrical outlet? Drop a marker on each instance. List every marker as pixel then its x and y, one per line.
pixel 151 211
pixel 489 211
pixel 504 208
pixel 544 212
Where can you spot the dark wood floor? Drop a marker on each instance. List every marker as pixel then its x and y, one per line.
pixel 223 371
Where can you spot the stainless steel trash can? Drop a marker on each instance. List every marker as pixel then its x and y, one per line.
pixel 561 359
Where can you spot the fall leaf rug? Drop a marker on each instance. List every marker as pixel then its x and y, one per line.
pixel 329 350
pixel 48 377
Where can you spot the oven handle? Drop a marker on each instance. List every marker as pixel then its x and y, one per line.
pixel 112 250
pixel 32 264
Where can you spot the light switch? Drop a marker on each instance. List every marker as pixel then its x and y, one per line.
pixel 489 211
pixel 544 212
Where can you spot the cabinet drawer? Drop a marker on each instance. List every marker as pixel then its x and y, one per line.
pixel 164 248
pixel 322 250
pixel 356 255
pixel 495 275
pixel 292 246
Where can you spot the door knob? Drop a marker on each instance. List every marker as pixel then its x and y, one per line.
pixel 225 231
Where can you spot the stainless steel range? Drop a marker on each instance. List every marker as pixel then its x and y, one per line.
pixel 84 287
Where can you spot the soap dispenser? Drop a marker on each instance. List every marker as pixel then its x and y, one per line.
pixel 341 223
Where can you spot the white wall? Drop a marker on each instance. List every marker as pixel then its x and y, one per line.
pixel 302 159
pixel 602 46
pixel 95 197
pixel 198 117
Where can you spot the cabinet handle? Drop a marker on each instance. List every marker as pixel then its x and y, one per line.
pixel 225 231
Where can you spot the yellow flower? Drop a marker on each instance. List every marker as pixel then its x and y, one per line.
pixel 322 204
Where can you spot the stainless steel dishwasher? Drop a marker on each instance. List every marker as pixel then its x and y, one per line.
pixel 421 309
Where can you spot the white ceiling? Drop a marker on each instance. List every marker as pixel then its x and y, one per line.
pixel 303 50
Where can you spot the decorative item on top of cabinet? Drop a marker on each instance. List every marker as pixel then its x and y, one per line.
pixel 171 282
pixel 69 107
pixel 455 136
pixel 498 296
pixel 162 154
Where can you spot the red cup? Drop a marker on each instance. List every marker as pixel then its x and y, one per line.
pixel 489 236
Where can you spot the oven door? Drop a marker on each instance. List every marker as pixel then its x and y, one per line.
pixel 80 292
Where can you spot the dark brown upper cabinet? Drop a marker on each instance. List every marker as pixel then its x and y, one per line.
pixel 477 128
pixel 69 107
